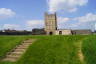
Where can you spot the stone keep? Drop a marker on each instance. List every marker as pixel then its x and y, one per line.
pixel 50 23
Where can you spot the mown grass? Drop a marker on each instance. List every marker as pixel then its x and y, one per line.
pixel 9 42
pixel 89 49
pixel 53 50
pixel 50 49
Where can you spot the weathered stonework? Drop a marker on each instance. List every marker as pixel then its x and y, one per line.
pixel 51 27
pixel 63 32
pixel 50 23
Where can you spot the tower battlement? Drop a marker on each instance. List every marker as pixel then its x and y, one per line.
pixel 50 23
pixel 51 27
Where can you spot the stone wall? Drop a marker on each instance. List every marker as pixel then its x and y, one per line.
pixel 63 32
pixel 50 23
pixel 81 32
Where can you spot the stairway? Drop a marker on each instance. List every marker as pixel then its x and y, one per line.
pixel 18 51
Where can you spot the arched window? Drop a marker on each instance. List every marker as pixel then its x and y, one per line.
pixel 50 33
pixel 60 32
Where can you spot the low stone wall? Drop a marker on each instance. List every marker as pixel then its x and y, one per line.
pixel 63 32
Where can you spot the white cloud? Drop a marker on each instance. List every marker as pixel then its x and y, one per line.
pixel 65 5
pixel 86 21
pixel 35 24
pixel 62 20
pixel 6 13
pixel 90 17
pixel 10 26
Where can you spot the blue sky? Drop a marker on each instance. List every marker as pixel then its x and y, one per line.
pixel 29 14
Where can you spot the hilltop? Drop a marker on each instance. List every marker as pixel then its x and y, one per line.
pixel 72 49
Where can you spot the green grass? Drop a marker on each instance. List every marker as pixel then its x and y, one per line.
pixel 51 49
pixel 9 42
pixel 89 50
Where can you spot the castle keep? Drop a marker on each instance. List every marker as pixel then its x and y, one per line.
pixel 50 23
pixel 52 29
pixel 51 26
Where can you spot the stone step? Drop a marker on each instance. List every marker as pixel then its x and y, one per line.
pixel 9 59
pixel 17 52
pixel 22 47
pixel 13 56
pixel 14 53
pixel 26 43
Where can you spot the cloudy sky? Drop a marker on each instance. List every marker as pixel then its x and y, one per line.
pixel 29 14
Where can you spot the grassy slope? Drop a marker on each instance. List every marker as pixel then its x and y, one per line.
pixel 89 50
pixel 55 50
pixel 8 42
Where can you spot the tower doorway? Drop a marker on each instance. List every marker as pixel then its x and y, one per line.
pixel 60 32
pixel 50 33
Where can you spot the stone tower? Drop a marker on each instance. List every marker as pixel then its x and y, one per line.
pixel 50 23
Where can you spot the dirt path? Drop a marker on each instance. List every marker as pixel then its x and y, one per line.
pixel 80 54
pixel 18 51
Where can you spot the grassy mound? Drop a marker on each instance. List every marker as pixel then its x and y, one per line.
pixel 89 50
pixel 52 49
pixel 8 42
